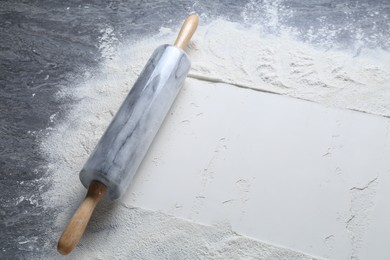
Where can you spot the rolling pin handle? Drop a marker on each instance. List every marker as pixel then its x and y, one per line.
pixel 187 30
pixel 76 227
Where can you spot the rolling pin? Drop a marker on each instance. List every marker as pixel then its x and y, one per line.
pixel 115 159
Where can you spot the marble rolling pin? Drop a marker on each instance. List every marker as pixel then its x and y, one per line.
pixel 114 161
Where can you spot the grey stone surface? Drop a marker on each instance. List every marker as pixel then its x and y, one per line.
pixel 47 45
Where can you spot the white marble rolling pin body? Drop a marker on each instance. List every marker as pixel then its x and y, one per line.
pixel 117 156
pixel 127 139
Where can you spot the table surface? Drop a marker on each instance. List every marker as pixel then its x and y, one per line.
pixel 44 45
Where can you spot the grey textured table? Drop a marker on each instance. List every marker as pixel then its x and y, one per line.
pixel 59 39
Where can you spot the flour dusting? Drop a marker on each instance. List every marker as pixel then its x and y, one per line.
pixel 224 52
pixel 144 234
pixel 228 52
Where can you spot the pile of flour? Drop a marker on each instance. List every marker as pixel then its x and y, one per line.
pixel 221 51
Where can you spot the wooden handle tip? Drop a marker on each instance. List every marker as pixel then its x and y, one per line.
pixel 77 225
pixel 187 30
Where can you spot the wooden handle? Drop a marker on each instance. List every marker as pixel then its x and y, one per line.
pixel 76 227
pixel 187 30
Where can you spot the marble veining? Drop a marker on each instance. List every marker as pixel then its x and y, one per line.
pixel 121 149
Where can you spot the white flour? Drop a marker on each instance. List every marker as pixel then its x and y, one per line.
pixel 222 52
pixel 136 233
pixel 231 53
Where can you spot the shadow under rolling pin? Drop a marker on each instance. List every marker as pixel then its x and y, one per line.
pixel 116 158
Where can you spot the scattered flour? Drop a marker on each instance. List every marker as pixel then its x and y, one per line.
pixel 222 52
pixel 232 53
pixel 141 234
